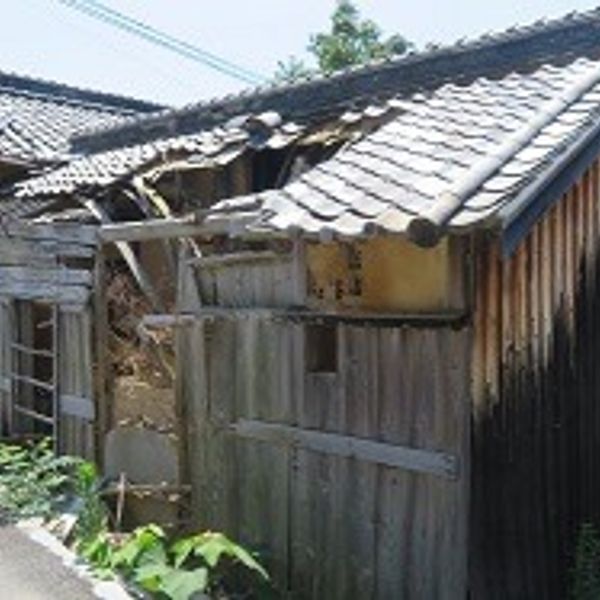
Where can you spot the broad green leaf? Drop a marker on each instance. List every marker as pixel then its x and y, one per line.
pixel 248 560
pixel 181 585
pixel 211 546
pixel 182 549
pixel 150 576
pixel 145 545
pixel 153 555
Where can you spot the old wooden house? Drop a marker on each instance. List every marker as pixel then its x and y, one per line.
pixel 38 119
pixel 382 288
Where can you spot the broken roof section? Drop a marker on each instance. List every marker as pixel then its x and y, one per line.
pixel 456 137
pixel 38 118
pixel 450 160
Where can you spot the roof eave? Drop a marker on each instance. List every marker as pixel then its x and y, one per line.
pixel 13 161
pixel 519 215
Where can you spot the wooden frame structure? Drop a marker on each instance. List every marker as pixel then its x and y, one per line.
pixel 52 265
pixel 448 451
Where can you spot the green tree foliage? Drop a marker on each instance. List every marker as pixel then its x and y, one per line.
pixel 350 41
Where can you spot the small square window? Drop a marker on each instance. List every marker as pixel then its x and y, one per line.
pixel 321 348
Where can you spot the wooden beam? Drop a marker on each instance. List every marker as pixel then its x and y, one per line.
pixel 102 379
pixel 71 233
pixel 128 255
pixel 32 414
pixel 19 251
pixel 44 385
pixel 31 351
pixel 215 261
pixel 410 459
pixel 152 196
pixel 150 229
pixel 210 222
pixel 33 275
pixel 76 295
pixel 205 313
pixel 147 489
pixel 163 321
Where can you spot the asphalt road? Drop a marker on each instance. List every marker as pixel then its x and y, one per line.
pixel 28 571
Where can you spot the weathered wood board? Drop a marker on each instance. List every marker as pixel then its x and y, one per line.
pixel 332 524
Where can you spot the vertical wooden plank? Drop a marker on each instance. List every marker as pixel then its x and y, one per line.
pixel 102 379
pixel 263 469
pixel 6 331
pixel 395 487
pixel 539 514
pixel 356 481
pixel 315 499
pixel 75 378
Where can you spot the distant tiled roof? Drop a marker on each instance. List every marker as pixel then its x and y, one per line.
pixel 523 49
pixel 37 118
pixel 405 171
pixel 94 173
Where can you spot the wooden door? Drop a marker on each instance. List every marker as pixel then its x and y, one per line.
pixel 348 473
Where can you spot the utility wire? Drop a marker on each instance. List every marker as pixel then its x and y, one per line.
pixel 110 16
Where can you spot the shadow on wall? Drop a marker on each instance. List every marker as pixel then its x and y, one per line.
pixel 536 450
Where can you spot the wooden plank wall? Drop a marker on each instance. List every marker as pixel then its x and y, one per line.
pixel 50 263
pixel 76 430
pixel 536 420
pixel 265 283
pixel 5 367
pixel 333 527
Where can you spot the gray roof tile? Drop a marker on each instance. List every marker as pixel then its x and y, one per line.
pixel 489 58
pixel 404 168
pixel 37 118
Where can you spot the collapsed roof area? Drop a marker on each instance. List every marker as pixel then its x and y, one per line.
pixel 454 137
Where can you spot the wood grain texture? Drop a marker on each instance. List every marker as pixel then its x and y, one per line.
pixel 75 380
pixel 410 459
pixel 536 441
pixel 331 524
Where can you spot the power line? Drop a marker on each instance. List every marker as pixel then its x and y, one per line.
pixel 110 16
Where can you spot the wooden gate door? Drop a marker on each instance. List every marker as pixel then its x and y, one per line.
pixel 349 473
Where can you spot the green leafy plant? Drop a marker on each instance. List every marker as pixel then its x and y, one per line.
pixel 586 572
pixel 200 563
pixel 33 481
pixel 92 518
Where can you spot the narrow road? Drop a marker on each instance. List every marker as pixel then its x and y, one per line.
pixel 30 572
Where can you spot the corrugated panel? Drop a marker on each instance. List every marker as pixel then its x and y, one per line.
pixel 536 435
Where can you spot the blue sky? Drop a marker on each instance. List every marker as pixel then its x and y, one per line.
pixel 45 39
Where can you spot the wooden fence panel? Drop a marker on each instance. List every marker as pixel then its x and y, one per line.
pixel 6 335
pixel 333 524
pixel 76 430
pixel 238 484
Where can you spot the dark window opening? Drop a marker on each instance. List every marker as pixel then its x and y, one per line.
pixel 321 349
